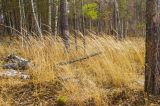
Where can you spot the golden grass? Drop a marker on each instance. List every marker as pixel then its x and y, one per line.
pixel 119 65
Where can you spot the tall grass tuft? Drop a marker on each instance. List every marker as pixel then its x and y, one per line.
pixel 87 81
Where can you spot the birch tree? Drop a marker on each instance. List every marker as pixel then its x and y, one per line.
pixel 75 25
pixel 36 18
pixel 55 19
pixel 116 18
pixel 50 3
pixel 83 24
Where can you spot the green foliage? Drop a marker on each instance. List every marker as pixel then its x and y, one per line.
pixel 61 100
pixel 141 5
pixel 107 13
pixel 90 10
pixel 123 7
pixel 140 26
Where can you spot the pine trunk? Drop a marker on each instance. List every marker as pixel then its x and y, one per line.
pixel 152 66
pixel 64 23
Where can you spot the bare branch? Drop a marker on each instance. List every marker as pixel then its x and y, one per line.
pixel 79 59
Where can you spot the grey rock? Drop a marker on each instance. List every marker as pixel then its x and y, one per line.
pixel 16 63
pixel 9 73
pixel 15 59
pixel 15 66
pixel 10 66
pixel 14 74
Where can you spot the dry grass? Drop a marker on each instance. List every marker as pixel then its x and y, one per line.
pixel 82 83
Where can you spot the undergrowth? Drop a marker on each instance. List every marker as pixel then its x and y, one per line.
pixel 86 82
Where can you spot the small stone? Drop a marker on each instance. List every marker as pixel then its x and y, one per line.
pixel 25 77
pixel 14 74
pixel 16 63
pixel 9 73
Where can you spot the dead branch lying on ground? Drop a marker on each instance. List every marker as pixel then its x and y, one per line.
pixel 79 59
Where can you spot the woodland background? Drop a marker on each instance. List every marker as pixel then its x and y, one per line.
pixel 112 17
pixel 79 52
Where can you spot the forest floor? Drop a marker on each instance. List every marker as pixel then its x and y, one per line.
pixel 114 77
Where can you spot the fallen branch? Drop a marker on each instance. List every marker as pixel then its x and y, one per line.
pixel 79 59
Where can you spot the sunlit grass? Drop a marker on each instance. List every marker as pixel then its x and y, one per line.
pixel 119 65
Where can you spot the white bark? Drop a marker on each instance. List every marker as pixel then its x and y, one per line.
pixel 56 19
pixel 50 2
pixel 36 18
pixel 20 12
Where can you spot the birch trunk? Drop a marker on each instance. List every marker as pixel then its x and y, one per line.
pixel 50 3
pixel 20 12
pixel 36 18
pixel 83 25
pixel 116 18
pixel 75 25
pixel 55 19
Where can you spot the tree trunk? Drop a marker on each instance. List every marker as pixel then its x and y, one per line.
pixel 55 19
pixel 64 23
pixel 50 3
pixel 115 17
pixel 83 25
pixel 20 12
pixel 75 25
pixel 152 65
pixel 36 18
